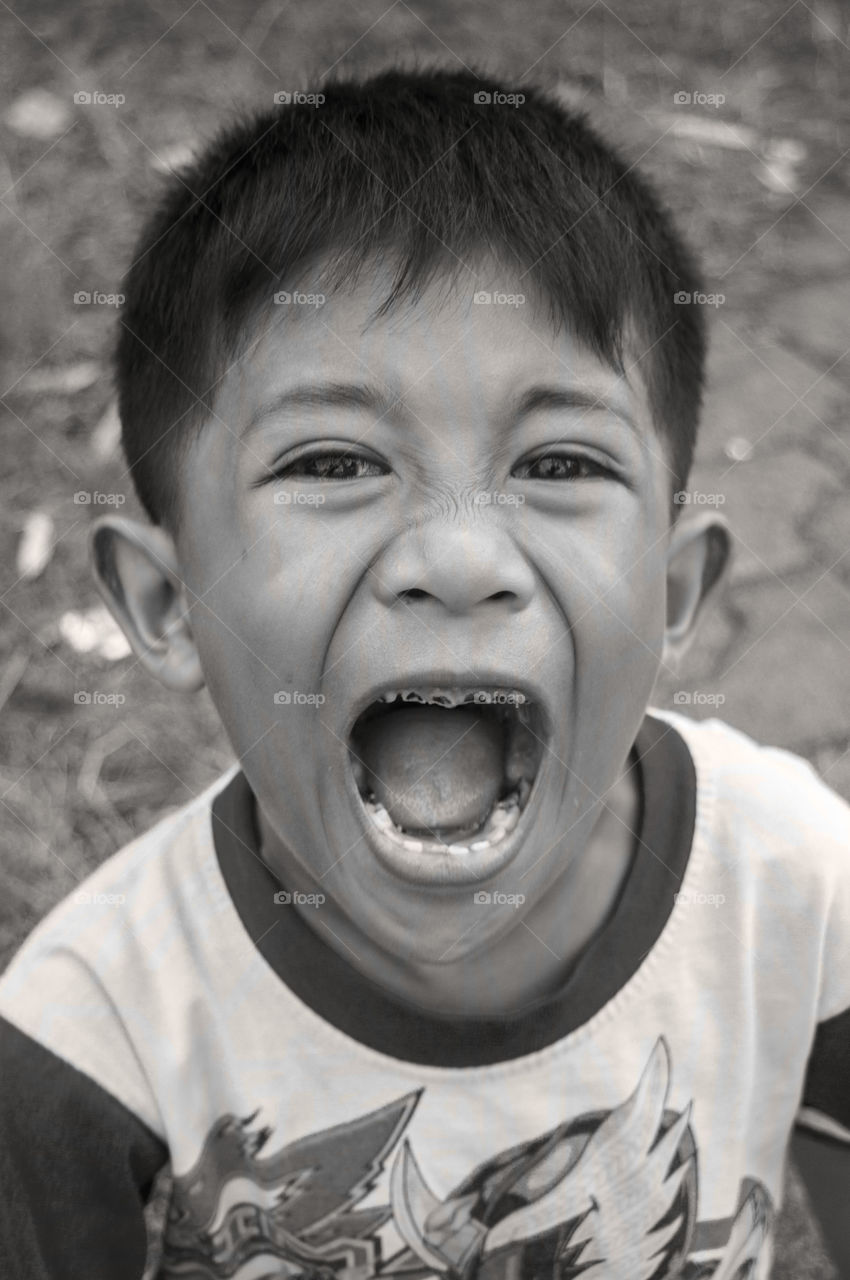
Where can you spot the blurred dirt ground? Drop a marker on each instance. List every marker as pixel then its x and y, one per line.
pixel 760 183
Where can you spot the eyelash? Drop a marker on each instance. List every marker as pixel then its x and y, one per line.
pixel 593 468
pixel 330 455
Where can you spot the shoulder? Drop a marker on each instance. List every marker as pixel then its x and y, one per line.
pixel 776 838
pixel 765 794
pixel 93 975
pixel 164 854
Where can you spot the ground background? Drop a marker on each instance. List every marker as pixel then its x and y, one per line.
pixel 771 216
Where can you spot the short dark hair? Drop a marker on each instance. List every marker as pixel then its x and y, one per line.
pixel 418 163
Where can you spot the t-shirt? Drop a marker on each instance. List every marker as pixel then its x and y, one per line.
pixel 179 1017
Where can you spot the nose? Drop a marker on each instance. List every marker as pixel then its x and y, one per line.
pixel 458 564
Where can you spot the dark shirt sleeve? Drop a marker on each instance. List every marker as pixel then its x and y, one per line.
pixel 821 1142
pixel 76 1170
pixel 826 1091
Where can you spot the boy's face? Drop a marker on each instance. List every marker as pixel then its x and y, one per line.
pixel 500 522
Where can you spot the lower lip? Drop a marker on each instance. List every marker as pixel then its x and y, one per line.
pixel 441 870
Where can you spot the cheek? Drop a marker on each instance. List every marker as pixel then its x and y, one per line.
pixel 615 603
pixel 605 553
pixel 270 735
pixel 641 600
pixel 237 678
pixel 263 628
pixel 637 604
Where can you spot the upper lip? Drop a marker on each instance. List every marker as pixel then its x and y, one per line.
pixel 490 678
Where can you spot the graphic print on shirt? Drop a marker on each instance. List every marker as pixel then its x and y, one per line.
pixel 606 1195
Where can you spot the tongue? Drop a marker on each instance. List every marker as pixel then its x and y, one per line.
pixel 434 768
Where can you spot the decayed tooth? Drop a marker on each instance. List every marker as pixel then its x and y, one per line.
pixel 455 696
pixel 380 817
pixel 511 820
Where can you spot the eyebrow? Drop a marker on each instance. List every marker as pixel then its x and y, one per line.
pixel 324 395
pixel 372 398
pixel 555 398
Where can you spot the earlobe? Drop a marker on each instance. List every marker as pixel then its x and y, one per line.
pixel 136 571
pixel 696 563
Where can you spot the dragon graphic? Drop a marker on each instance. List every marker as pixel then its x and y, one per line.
pixel 608 1195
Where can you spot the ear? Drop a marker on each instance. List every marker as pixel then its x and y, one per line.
pixel 136 570
pixel 696 563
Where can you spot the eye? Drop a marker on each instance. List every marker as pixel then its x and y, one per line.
pixel 561 466
pixel 330 464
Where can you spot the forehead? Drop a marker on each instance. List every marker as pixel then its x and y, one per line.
pixel 476 341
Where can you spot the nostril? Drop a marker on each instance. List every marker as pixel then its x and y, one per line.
pixel 418 593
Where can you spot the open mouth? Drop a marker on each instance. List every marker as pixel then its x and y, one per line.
pixel 447 770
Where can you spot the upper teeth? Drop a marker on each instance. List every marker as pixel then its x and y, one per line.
pixel 454 697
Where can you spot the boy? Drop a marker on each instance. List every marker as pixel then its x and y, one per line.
pixel 471 967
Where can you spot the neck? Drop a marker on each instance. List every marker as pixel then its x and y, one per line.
pixel 530 963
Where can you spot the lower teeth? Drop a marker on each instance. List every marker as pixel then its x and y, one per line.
pixel 501 821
